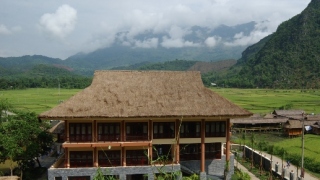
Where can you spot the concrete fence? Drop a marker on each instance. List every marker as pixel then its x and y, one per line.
pixel 258 157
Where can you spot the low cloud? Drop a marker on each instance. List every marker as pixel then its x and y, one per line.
pixel 61 23
pixel 212 41
pixel 177 43
pixel 6 31
pixel 260 31
pixel 148 43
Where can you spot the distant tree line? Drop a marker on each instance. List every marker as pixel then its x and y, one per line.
pixel 67 82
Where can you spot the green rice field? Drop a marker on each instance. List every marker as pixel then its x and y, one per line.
pixel 38 99
pixel 255 100
pixel 267 100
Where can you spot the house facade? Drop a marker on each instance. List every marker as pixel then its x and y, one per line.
pixel 141 124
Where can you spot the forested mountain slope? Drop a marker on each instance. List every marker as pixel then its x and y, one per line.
pixel 289 58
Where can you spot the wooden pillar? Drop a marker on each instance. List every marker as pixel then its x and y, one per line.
pixel 150 130
pixel 94 131
pixel 66 131
pixel 123 131
pixel 150 153
pixel 228 133
pixel 177 153
pixel 66 157
pixel 203 131
pixel 150 139
pixel 95 157
pixel 123 152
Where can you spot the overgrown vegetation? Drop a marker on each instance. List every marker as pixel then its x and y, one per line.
pixel 287 149
pixel 22 139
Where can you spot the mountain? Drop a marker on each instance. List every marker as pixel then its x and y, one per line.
pixel 288 58
pixel 125 55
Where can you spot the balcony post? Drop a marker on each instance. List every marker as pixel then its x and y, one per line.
pixel 150 137
pixel 95 157
pixel 124 163
pixel 177 153
pixel 66 131
pixel 67 160
pixel 123 131
pixel 94 131
pixel 228 140
pixel 202 168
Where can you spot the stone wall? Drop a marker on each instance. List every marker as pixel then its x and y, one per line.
pixel 213 168
pixel 122 172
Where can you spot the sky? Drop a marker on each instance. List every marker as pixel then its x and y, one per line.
pixel 62 28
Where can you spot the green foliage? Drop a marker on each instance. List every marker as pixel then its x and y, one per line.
pixel 23 138
pixel 241 175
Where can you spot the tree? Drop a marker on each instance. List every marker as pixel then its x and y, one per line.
pixel 24 138
pixel 4 107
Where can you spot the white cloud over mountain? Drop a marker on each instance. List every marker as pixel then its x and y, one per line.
pixel 61 23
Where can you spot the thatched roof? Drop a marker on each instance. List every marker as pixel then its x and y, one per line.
pixel 293 124
pixel 259 120
pixel 313 117
pixel 121 94
pixel 58 128
pixel 288 113
pixel 316 125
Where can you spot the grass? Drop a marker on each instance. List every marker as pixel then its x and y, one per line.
pixel 255 100
pixel 291 145
pixel 266 100
pixel 38 99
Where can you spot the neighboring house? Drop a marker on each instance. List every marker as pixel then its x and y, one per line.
pixel 292 114
pixel 293 128
pixel 316 128
pixel 258 123
pixel 125 120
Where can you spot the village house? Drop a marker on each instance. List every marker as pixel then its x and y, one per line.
pixel 126 120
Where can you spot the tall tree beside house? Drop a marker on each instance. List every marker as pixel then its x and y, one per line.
pixel 22 139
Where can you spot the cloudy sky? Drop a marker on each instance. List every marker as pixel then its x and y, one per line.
pixel 62 28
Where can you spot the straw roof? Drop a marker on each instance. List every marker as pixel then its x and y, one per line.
pixel 58 128
pixel 316 125
pixel 259 120
pixel 121 94
pixel 292 124
pixel 287 113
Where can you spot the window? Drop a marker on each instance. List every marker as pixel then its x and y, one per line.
pixel 80 132
pixel 213 150
pixel 81 159
pixel 108 131
pixel 136 157
pixel 109 158
pixel 162 151
pixel 215 129
pixel 137 131
pixel 190 152
pixel 190 129
pixel 163 130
